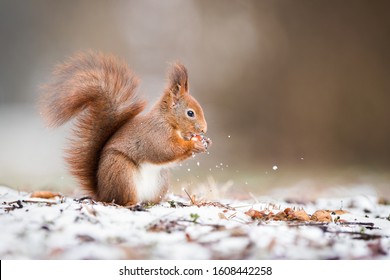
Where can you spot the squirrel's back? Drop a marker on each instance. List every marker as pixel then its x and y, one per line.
pixel 100 90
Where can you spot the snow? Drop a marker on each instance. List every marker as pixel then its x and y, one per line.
pixel 65 228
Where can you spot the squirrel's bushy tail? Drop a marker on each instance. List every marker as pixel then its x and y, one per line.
pixel 101 91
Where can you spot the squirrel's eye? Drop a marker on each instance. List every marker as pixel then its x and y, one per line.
pixel 190 113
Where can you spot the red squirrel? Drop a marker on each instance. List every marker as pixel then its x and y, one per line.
pixel 118 154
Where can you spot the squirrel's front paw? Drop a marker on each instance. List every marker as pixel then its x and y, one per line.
pixel 201 143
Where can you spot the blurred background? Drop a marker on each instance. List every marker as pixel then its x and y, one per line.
pixel 296 93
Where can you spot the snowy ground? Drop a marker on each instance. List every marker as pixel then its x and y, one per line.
pixel 67 228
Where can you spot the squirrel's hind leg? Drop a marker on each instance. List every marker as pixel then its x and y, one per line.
pixel 115 179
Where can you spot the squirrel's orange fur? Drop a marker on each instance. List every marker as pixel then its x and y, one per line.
pixel 117 154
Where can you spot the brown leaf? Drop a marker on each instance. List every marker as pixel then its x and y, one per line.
pixel 300 215
pixel 383 201
pixel 85 238
pixel 281 216
pixel 321 216
pixel 222 216
pixel 288 211
pixel 337 212
pixel 188 237
pixel 254 214
pixel 45 194
pixel 238 232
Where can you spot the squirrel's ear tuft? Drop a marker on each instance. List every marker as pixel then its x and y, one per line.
pixel 178 79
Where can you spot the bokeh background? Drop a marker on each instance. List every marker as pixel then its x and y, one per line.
pixel 296 93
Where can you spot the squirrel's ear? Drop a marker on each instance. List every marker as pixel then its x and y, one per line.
pixel 178 80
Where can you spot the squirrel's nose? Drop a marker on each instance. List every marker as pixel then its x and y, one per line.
pixel 204 130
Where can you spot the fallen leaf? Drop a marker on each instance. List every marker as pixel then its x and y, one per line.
pixel 188 237
pixel 321 216
pixel 238 232
pixel 288 211
pixel 337 212
pixel 85 238
pixel 383 201
pixel 280 216
pixel 300 215
pixel 45 194
pixel 254 214
pixel 222 216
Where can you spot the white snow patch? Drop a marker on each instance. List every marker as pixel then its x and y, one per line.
pixel 68 229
